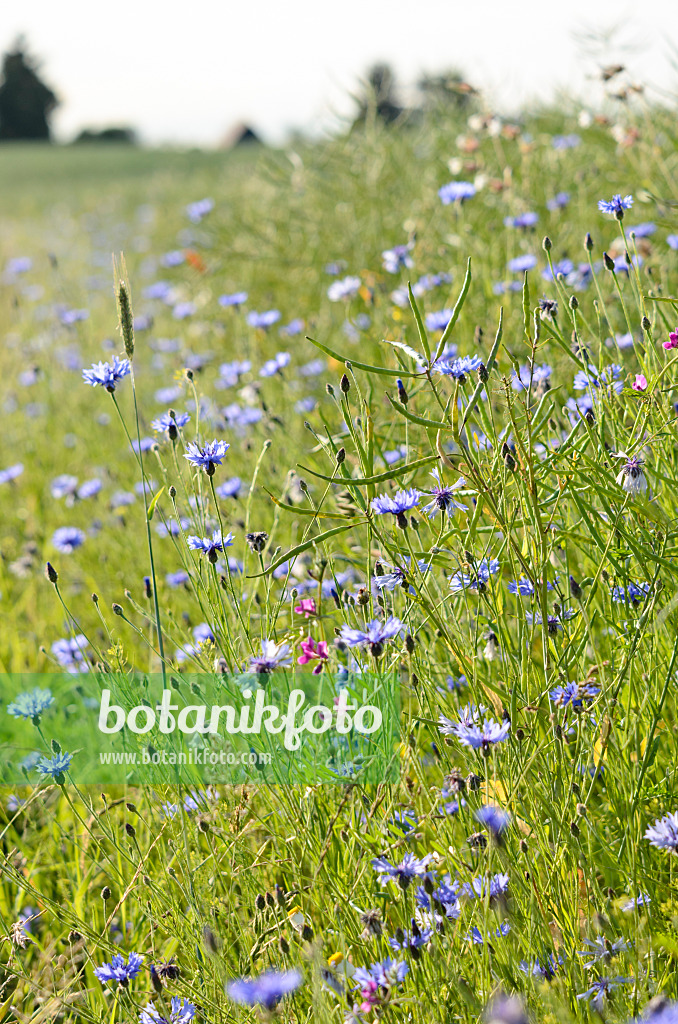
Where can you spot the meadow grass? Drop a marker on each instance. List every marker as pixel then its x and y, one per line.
pixel 535 600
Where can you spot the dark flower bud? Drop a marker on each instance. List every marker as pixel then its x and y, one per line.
pixel 270 899
pixel 588 242
pixel 280 895
pixel 204 826
pixel 575 589
pixel 257 541
pixel 307 933
pixel 581 810
pixel 645 324
pixel 509 461
pixel 345 384
pixel 410 643
pixel 401 520
pixel 608 262
pixel 403 397
pixel 259 902
pixel 56 747
pixel 363 596
pixel 284 945
pixel 189 374
pixel 523 846
pixel 147 587
pixel 473 782
pixel 74 936
pixel 414 523
pixel 574 302
pixel 95 598
pixel 172 492
pixel 106 893
pixel 520 735
pixel 330 390
pixel 172 432
pixel 341 456
pixel 371 922
pixel 51 573
pixel 546 244
pixel 483 375
pixel 574 829
pixel 303 486
pixel 130 829
pixel 117 609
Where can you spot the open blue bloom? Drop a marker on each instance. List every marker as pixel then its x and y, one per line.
pixel 601 989
pixel 70 653
pixel 272 656
pixel 344 289
pixel 470 714
pixel 601 950
pixel 199 209
pixel 119 970
pixel 554 624
pixel 524 587
pixel 456 192
pixel 496 885
pixel 519 264
pixel 236 299
pixel 643 230
pixel 672 241
pixel 67 538
pixel 459 368
pixel 230 373
pixel 545 969
pixel 396 258
pixel 401 502
pixel 208 456
pixel 412 939
pixel 530 376
pixel 477 579
pixel 609 377
pixel 493 818
pixel 107 375
pixel 483 737
pixel 11 473
pixel 167 423
pixel 181 1012
pixel 443 498
pixel 641 900
pixel 566 141
pixel 374 636
pixel 559 201
pixel 275 365
pixel 264 320
pixel 664 833
pixel 293 328
pixel 633 594
pixel 616 205
pixel 55 766
pixel 409 867
pixel 397 577
pixel 210 546
pixel 478 939
pixel 31 704
pixel 230 488
pixel 437 320
pixel 266 990
pixel 575 694
pixel 523 220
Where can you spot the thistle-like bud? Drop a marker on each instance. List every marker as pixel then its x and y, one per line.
pixel 259 902
pixel 588 242
pixel 645 324
pixel 50 572
pixel 403 397
pixel 575 589
pixel 117 609
pixel 546 244
pixel 341 456
pixel 172 492
pixel 608 262
pixel 330 390
pixel 410 643
pixel 130 829
pixel 574 302
pixel 483 375
pixel 106 893
pixel 345 384
pixel 126 319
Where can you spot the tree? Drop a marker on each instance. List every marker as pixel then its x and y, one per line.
pixel 26 103
pixel 380 96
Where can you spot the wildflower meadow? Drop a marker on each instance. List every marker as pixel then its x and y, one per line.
pixel 386 417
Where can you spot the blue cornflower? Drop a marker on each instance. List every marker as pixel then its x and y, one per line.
pixel 118 970
pixel 616 205
pixel 456 191
pixel 497 885
pixel 643 230
pixel 545 969
pixel 478 939
pixel 633 594
pixel 409 867
pixel 524 587
pixel 401 502
pixel 459 368
pixel 470 714
pixel 70 653
pixel 608 378
pixel 157 290
pixel 199 209
pixel 519 264
pixel 107 375
pixel 293 328
pixel 266 990
pixel 564 267
pixel 395 258
pixel 170 424
pixel 641 900
pixel 600 989
pixel 275 365
pixel 67 538
pixel 272 656
pixel 55 766
pixel 397 577
pixel 554 624
pixel 182 310
pixel 565 141
pixel 413 939
pixel 602 950
pixel 230 373
pixel 494 818
pixel 344 289
pixel 534 374
pixel 523 220
pixel 576 694
pixel 437 320
pixel 230 488
pixel 443 498
pixel 672 241
pixel 31 704
pixel 477 579
pixel 559 201
pixel 11 473
pixel 206 457
pixel 236 299
pixel 374 636
pixel 485 737
pixel 210 546
pixel 181 1012
pixel 177 579
pixel 239 418
pixel 664 833
pixel 264 320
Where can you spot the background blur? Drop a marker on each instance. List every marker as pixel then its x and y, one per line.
pixel 189 76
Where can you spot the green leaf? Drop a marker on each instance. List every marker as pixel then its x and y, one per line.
pixel 293 552
pixel 151 507
pixel 456 311
pixel 408 467
pixel 420 323
pixel 298 511
pixel 362 366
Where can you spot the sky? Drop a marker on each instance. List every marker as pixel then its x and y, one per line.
pixel 185 73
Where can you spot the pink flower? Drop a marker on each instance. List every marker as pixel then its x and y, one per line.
pixel 673 340
pixel 306 607
pixel 311 652
pixel 640 383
